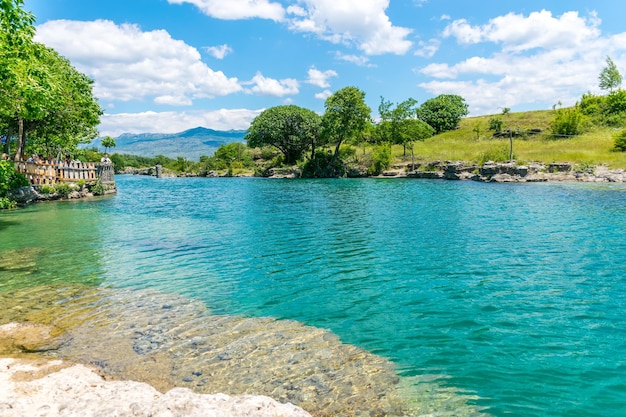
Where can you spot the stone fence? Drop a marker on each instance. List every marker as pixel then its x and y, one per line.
pixel 45 173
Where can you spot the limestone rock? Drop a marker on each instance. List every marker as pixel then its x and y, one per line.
pixel 55 389
pixel 28 337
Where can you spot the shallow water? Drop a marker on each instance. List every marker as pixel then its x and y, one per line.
pixel 510 298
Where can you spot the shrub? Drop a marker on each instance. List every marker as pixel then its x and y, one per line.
pixel 46 189
pixel 495 124
pixel 619 141
pixel 568 122
pixel 9 179
pixel 97 188
pixel 63 189
pixel 381 160
pixel 6 203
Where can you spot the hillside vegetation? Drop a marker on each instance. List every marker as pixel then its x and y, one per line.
pixel 472 141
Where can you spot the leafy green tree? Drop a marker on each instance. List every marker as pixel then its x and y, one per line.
pixel 108 142
pixel 443 112
pixel 41 94
pixel 346 117
pixel 610 77
pixel 399 125
pixel 291 129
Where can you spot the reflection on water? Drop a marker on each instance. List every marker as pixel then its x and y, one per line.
pixel 168 341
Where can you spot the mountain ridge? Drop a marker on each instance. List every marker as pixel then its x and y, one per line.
pixel 189 144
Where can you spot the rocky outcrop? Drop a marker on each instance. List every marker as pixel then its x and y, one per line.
pixel 58 389
pixel 28 337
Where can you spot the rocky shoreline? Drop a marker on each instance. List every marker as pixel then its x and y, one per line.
pixel 36 387
pixel 447 170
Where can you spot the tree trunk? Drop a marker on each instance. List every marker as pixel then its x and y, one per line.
pixel 21 140
pixel 7 146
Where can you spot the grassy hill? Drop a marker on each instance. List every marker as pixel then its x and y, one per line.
pixel 472 141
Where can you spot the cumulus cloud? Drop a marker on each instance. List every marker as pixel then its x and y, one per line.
pixel 173 122
pixel 320 78
pixel 361 61
pixel 363 23
pixel 129 64
pixel 323 95
pixel 540 58
pixel 272 87
pixel 428 49
pixel 237 9
pixel 219 52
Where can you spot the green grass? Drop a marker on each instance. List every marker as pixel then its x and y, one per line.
pixel 462 144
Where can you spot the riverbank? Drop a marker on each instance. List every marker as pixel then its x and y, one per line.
pixel 443 170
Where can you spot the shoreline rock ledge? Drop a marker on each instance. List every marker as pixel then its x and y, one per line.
pixel 54 388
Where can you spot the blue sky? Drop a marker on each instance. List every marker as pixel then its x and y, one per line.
pixel 170 65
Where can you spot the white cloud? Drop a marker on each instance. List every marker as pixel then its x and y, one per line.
pixel 219 52
pixel 541 59
pixel 272 87
pixel 428 49
pixel 173 100
pixel 361 61
pixel 173 122
pixel 519 33
pixel 323 95
pixel 352 22
pixel 320 78
pixel 128 64
pixel 237 9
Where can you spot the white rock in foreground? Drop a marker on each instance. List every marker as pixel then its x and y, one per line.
pixel 54 389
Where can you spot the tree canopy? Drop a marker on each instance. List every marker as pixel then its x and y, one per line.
pixel 610 77
pixel 42 96
pixel 346 116
pixel 443 112
pixel 291 129
pixel 399 125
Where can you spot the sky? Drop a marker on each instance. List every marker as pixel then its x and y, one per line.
pixel 170 65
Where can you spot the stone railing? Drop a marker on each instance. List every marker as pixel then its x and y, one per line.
pixel 44 173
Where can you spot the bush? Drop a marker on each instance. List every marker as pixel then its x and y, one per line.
pixel 63 189
pixel 9 179
pixel 568 122
pixel 381 160
pixel 97 188
pixel 320 166
pixel 495 124
pixel 619 143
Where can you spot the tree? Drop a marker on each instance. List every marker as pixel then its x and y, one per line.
pixel 346 116
pixel 108 142
pixel 41 94
pixel 399 125
pixel 610 77
pixel 291 129
pixel 443 112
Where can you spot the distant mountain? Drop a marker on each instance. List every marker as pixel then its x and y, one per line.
pixel 190 144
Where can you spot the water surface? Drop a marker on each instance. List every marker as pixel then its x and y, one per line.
pixel 510 294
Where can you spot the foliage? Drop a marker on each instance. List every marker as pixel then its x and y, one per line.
pixel 609 110
pixel 9 179
pixel 97 188
pixel 619 141
pixel 323 165
pixel 291 129
pixel 399 124
pixel 610 77
pixel 108 142
pixel 381 160
pixel 346 117
pixel 443 112
pixel 7 203
pixel 495 124
pixel 500 153
pixel 42 97
pixel 568 122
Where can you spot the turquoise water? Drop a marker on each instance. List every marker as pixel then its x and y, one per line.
pixel 514 292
